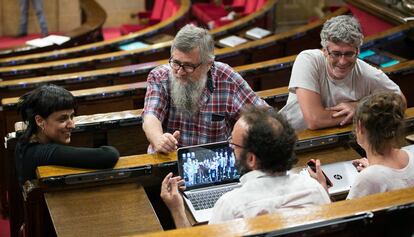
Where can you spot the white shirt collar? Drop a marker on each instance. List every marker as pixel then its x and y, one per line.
pixel 256 174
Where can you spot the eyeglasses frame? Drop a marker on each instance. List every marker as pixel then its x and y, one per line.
pixel 338 54
pixel 231 144
pixel 182 65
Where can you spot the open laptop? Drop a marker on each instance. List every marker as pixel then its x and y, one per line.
pixel 208 171
pixel 342 175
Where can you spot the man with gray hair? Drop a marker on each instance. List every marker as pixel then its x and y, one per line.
pixel 193 99
pixel 325 85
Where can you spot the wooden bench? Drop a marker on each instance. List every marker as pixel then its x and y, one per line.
pixel 260 76
pixel 49 174
pixel 278 45
pixel 263 18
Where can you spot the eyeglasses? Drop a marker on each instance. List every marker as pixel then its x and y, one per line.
pixel 188 68
pixel 337 54
pixel 233 145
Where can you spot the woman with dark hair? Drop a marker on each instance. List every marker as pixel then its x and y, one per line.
pixel 379 126
pixel 48 112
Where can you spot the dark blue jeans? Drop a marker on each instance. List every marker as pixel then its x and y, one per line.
pixel 24 14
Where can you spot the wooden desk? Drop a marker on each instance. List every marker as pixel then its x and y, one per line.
pixel 139 160
pixel 283 219
pixel 111 210
pixel 124 162
pixel 329 155
pixel 326 156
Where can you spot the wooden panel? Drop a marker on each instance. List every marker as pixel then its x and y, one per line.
pixel 128 140
pixel 113 210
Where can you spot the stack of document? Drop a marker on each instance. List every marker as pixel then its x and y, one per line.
pixel 48 40
pixel 232 41
pixel 257 33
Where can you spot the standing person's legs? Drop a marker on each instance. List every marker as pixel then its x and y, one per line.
pixel 38 6
pixel 24 12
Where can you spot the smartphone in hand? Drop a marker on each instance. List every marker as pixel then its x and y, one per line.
pixel 312 165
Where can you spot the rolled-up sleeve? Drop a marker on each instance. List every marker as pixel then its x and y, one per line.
pixel 156 97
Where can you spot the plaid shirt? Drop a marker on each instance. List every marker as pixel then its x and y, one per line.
pixel 221 102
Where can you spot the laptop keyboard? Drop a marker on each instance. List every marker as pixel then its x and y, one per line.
pixel 207 199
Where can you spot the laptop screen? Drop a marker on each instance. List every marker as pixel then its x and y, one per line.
pixel 207 164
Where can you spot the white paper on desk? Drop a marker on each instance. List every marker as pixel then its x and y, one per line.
pixel 57 39
pixel 39 42
pixel 232 41
pixel 257 33
pixel 48 40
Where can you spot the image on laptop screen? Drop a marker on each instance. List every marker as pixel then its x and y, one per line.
pixel 207 164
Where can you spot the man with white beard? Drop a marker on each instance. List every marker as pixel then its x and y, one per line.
pixel 193 99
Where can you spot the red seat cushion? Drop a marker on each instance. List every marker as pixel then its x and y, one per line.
pixel 220 22
pixel 163 9
pixel 260 4
pixel 158 9
pixel 126 29
pixel 171 7
pixel 238 5
pixel 250 7
pixel 206 12
pixel 370 24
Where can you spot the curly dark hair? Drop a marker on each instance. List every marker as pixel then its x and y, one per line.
pixel 271 138
pixel 43 101
pixel 382 115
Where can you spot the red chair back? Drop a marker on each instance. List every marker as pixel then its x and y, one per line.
pixel 171 7
pixel 260 4
pixel 238 3
pixel 250 7
pixel 158 9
